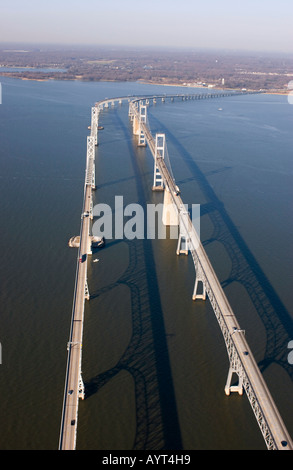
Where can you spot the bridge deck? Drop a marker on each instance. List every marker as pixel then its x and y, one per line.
pixel 71 392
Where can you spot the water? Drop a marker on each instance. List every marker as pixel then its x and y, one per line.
pixel 154 361
pixel 31 69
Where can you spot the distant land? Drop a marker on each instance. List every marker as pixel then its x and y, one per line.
pixel 270 73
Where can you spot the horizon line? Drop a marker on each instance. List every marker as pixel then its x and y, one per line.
pixel 209 49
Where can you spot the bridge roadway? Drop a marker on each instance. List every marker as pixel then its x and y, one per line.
pixel 272 426
pixel 73 383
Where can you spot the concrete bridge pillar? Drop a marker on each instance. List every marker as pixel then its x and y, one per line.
pixel 142 120
pixel 158 184
pixel 196 294
pixel 135 125
pixel 233 388
pixel 182 246
pixel 137 120
pixel 170 215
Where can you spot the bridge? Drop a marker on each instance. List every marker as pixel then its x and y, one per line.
pixel 241 360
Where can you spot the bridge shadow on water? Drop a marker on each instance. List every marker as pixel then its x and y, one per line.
pixel 245 269
pixel 146 356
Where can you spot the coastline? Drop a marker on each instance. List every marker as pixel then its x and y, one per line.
pixel 268 92
pixel 146 82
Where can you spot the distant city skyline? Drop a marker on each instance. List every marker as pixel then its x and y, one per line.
pixel 259 25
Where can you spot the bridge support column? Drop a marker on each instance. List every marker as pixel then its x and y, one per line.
pixel 142 119
pixel 131 111
pixel 233 388
pixel 182 245
pixel 170 215
pixel 159 153
pixel 135 125
pixel 195 294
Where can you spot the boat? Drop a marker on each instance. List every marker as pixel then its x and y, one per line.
pixel 100 128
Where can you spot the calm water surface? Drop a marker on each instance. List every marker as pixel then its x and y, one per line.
pixel 154 361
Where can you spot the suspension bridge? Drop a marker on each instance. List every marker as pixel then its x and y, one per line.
pixel 206 285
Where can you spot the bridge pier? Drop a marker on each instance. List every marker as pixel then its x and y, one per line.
pixel 130 111
pixel 182 245
pixel 195 294
pixel 137 123
pixel 142 119
pixel 158 184
pixel 233 388
pixel 183 238
pixel 170 214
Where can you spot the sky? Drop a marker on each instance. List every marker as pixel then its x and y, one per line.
pixel 252 25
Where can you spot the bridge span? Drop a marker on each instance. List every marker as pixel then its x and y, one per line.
pixel 241 360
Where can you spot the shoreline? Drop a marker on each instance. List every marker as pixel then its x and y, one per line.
pixel 145 82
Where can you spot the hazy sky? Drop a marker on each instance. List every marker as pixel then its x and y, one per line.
pixel 246 25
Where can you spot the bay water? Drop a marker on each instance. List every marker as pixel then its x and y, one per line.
pixel 154 361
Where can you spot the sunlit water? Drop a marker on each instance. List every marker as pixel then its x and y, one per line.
pixel 154 361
